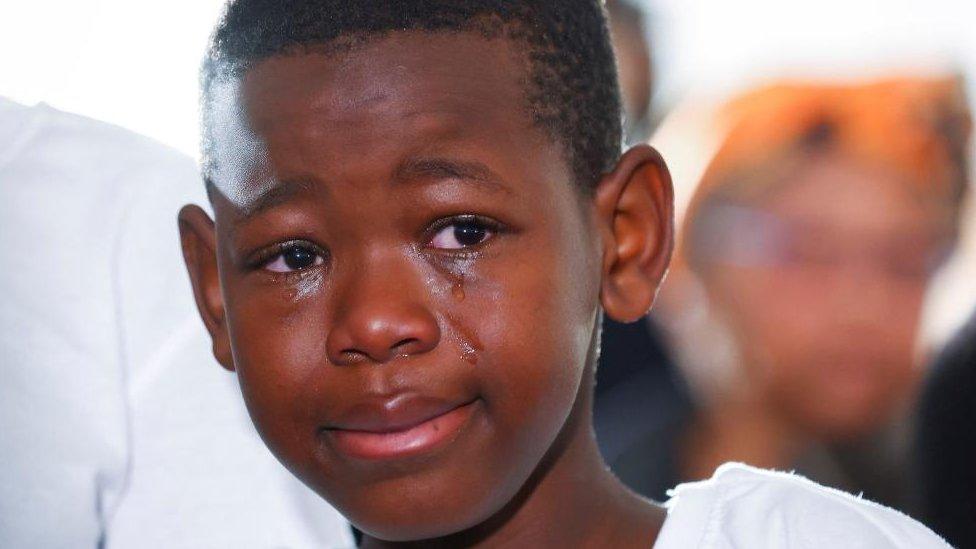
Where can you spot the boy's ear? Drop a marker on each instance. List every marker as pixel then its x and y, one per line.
pixel 635 207
pixel 199 239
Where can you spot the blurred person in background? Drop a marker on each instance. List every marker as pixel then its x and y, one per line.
pixel 116 428
pixel 945 443
pixel 805 255
pixel 634 65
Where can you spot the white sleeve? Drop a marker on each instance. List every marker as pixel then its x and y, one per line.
pixel 63 431
pixel 741 506
pixel 117 427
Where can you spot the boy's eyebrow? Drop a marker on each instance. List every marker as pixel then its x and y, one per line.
pixel 277 194
pixel 410 169
pixel 444 168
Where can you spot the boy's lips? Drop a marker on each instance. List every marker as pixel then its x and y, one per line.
pixel 399 427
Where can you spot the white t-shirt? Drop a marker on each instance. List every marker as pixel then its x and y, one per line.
pixel 746 508
pixel 117 426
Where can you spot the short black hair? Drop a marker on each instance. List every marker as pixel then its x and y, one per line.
pixel 572 90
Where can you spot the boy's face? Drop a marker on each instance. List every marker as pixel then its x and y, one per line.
pixel 412 306
pixel 446 271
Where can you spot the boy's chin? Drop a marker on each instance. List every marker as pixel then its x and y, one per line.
pixel 427 503
pixel 428 514
pixel 419 528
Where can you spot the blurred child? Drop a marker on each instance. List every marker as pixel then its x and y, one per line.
pixel 809 244
pixel 633 53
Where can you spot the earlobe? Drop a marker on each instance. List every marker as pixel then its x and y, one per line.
pixel 199 242
pixel 635 205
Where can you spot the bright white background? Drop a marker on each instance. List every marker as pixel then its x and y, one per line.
pixel 130 62
pixel 134 62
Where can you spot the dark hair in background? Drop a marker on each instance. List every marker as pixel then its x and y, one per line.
pixel 571 82
pixel 945 446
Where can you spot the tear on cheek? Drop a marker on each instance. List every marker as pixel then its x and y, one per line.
pixel 308 285
pixel 455 269
pixel 453 295
pixel 469 353
pixel 457 290
pixel 468 344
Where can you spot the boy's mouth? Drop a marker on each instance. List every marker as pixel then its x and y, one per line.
pixel 399 427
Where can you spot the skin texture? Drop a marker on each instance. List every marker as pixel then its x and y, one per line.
pixel 826 334
pixel 375 153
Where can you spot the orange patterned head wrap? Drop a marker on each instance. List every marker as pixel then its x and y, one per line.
pixel 915 127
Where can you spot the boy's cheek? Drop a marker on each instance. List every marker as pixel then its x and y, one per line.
pixel 271 384
pixel 276 355
pixel 536 336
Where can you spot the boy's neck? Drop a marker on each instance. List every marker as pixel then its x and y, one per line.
pixel 571 500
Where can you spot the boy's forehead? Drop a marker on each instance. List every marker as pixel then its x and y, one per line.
pixel 413 65
pixel 385 93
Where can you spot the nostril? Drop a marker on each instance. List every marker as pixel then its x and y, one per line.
pixel 404 345
pixel 372 334
pixel 352 356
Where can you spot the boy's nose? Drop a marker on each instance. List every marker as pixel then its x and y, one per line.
pixel 379 323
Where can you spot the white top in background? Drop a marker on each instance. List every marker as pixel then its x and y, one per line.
pixel 744 507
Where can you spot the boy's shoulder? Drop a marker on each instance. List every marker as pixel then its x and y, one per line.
pixel 741 506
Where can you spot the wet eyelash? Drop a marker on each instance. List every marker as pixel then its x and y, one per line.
pixel 266 256
pixel 486 222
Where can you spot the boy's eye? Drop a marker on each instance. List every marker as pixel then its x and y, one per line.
pixel 294 257
pixel 460 234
